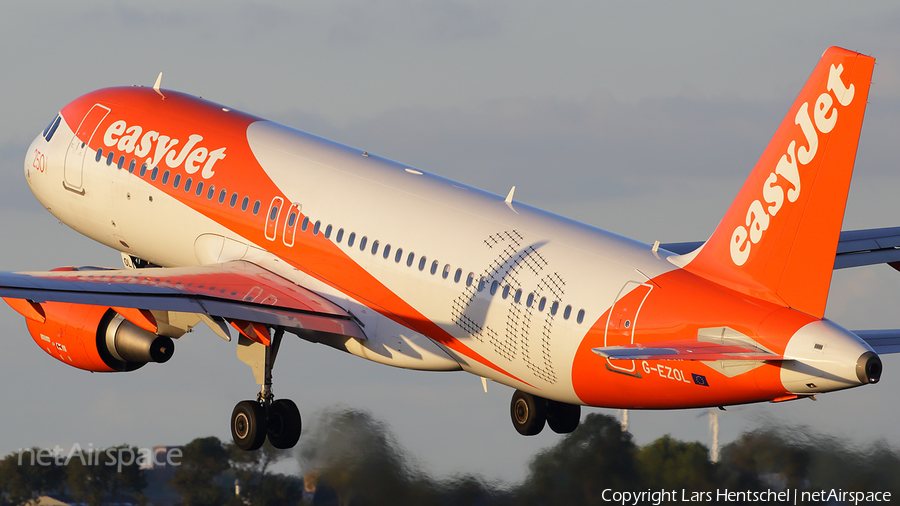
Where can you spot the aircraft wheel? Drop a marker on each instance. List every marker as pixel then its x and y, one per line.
pixel 528 412
pixel 284 424
pixel 562 417
pixel 248 425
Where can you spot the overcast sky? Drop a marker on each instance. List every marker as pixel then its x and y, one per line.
pixel 643 119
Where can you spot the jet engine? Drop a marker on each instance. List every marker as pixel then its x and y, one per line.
pixel 93 338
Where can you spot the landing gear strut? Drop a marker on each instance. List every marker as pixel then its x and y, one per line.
pixel 529 413
pixel 253 421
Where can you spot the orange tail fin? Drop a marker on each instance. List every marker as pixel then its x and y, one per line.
pixel 779 237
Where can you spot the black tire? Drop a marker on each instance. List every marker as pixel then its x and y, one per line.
pixel 284 424
pixel 248 425
pixel 528 412
pixel 562 417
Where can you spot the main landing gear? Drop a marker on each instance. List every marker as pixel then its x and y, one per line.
pixel 253 421
pixel 529 414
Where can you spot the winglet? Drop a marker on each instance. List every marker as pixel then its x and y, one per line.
pixel 779 237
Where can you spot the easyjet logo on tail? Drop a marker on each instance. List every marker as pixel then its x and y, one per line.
pixel 161 147
pixel 824 118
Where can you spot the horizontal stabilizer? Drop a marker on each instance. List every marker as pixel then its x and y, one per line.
pixel 685 350
pixel 882 341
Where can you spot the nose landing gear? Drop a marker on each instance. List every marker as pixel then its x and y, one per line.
pixel 253 421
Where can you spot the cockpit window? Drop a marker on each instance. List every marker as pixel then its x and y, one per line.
pixel 51 128
pixel 47 128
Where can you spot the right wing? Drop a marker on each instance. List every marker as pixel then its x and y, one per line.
pixel 855 247
pixel 882 341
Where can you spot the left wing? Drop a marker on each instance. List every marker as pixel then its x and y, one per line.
pixel 855 247
pixel 238 291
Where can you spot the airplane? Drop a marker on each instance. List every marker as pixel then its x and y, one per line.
pixel 257 229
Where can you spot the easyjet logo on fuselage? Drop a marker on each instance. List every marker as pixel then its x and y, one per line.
pixel 824 117
pixel 159 148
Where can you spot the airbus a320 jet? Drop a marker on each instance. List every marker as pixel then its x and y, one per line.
pixel 260 231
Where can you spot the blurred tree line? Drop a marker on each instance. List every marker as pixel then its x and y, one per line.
pixel 349 458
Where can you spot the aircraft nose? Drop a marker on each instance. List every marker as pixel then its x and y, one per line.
pixel 868 367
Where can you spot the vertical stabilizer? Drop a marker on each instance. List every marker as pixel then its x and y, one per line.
pixel 779 237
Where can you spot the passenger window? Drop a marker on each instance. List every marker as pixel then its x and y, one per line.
pixel 567 312
pixel 233 201
pixel 154 173
pixel 387 251
pixel 199 188
pixel 187 184
pixel 470 279
pixel 109 158
pixel 293 219
pixel 177 181
pixel 143 169
pixel 422 261
pixel 99 155
pixel 494 286
pixel 222 194
pixel 131 166
pixel 340 235
pixel 542 304
pixel 274 213
pixel 506 291
pixel 518 296
pixel 255 206
pixel 316 227
pixel 410 259
pixel 362 243
pixel 328 232
pixel 304 224
pixel 374 247
pixel 210 192
pixel 481 283
pixel 554 307
pixel 351 239
pixel 399 255
pixel 580 317
pixel 244 203
pixel 446 271
pixel 434 266
pixel 457 276
pixel 165 178
pixel 121 161
pixel 530 300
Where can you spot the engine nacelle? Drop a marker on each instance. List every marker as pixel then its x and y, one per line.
pixel 93 338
